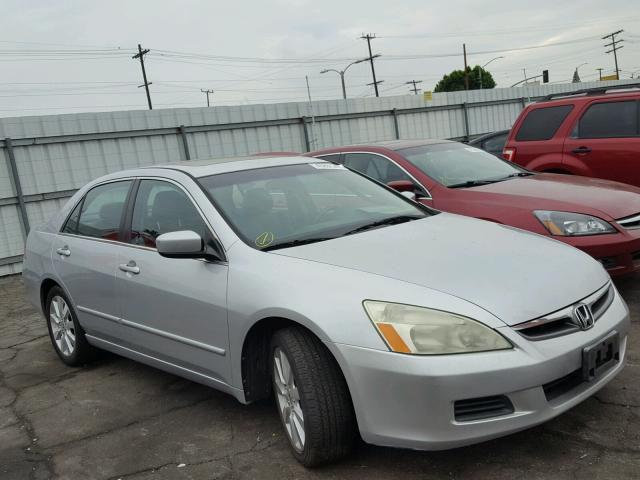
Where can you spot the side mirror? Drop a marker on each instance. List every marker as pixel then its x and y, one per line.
pixel 182 244
pixel 402 185
pixel 410 195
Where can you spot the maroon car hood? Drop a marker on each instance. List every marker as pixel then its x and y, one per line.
pixel 616 200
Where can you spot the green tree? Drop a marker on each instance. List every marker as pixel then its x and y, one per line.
pixel 455 80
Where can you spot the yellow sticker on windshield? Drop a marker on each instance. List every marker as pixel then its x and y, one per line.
pixel 264 239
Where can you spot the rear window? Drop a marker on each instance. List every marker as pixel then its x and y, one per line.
pixel 542 123
pixel 611 119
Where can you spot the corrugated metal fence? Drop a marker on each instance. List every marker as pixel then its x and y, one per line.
pixel 48 157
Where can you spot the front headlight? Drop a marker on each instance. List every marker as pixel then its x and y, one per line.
pixel 570 224
pixel 423 331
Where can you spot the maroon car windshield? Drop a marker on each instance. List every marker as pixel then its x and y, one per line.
pixel 459 165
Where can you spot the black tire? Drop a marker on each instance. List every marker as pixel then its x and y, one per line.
pixel 329 420
pixel 82 352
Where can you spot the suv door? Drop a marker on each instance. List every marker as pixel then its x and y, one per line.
pixel 85 257
pixel 172 309
pixel 605 141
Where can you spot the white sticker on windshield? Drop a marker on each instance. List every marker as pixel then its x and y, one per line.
pixel 471 149
pixel 327 166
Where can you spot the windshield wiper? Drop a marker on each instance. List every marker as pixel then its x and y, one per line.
pixel 474 183
pixel 519 174
pixel 296 243
pixel 386 221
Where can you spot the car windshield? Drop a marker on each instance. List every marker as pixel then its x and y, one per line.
pixel 457 165
pixel 278 207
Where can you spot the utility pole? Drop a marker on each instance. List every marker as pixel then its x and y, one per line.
pixel 312 142
pixel 207 92
pixel 600 72
pixel 415 89
pixel 141 53
pixel 368 37
pixel 614 48
pixel 466 74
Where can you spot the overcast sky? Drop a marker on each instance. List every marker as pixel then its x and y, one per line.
pixel 74 56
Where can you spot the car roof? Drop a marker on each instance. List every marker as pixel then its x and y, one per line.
pixel 213 166
pixel 388 144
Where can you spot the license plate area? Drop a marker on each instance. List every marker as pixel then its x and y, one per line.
pixel 600 356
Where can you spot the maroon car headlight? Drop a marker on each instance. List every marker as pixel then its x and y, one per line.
pixel 569 224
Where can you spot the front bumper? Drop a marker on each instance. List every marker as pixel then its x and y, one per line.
pixel 408 401
pixel 619 253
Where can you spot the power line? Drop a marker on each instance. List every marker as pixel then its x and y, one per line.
pixel 614 48
pixel 141 53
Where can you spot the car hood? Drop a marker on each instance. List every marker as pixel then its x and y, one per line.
pixel 572 193
pixel 513 274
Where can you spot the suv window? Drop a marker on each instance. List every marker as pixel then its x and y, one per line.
pixel 162 207
pixel 611 119
pixel 375 166
pixel 98 215
pixel 542 123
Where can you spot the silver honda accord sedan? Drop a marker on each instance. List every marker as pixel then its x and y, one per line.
pixel 359 310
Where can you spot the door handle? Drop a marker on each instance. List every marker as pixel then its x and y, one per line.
pixel 581 150
pixel 64 251
pixel 130 267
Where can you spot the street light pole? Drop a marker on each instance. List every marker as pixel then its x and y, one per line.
pixel 482 68
pixel 342 72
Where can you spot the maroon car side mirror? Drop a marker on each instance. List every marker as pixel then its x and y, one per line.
pixel 402 185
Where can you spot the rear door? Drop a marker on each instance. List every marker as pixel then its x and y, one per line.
pixel 85 256
pixel 605 141
pixel 172 309
pixel 537 143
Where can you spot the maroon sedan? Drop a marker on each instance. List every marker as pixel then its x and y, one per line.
pixel 599 217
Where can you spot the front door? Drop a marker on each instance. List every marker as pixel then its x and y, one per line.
pixel 605 142
pixel 172 309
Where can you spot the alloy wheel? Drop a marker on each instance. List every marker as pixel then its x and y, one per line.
pixel 288 399
pixel 63 329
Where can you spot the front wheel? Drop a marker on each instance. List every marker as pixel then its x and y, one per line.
pixel 312 398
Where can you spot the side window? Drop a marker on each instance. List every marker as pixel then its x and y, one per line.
pixel 101 211
pixel 332 157
pixel 542 123
pixel 72 222
pixel 495 144
pixel 375 166
pixel 162 207
pixel 612 119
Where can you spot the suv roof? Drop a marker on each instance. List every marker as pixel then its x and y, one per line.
pixel 627 89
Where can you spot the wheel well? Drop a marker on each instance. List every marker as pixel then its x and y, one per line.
pixel 47 285
pixel 557 170
pixel 256 378
pixel 256 374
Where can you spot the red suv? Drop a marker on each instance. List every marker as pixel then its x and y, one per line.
pixel 594 133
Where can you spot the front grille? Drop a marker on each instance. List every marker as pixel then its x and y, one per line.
pixel 481 408
pixel 562 321
pixel 560 386
pixel 630 222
